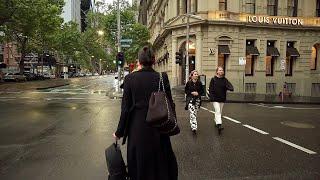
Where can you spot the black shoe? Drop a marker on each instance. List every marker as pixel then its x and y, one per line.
pixel 220 128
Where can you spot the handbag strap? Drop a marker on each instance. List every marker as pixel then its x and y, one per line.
pixel 161 83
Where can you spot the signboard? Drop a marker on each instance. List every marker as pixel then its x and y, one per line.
pixel 126 41
pixel 275 20
pixel 242 61
pixel 212 51
pixel 283 64
pixel 125 45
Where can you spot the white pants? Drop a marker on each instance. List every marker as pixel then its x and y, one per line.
pixel 218 106
pixel 193 109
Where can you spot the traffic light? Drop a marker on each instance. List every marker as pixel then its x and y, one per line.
pixel 120 59
pixel 178 58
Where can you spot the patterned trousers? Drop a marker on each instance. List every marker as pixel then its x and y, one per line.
pixel 193 109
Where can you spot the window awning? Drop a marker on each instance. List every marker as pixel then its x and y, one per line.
pixel 272 51
pixel 252 50
pixel 291 51
pixel 223 49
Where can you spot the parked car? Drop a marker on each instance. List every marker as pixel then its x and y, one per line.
pixel 30 77
pixel 14 77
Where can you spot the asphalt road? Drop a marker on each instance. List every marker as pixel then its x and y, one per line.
pixel 61 133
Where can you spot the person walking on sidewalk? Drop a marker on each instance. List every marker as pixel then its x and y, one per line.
pixel 149 153
pixel 218 92
pixel 193 90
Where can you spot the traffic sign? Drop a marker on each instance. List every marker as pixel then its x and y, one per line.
pixel 125 45
pixel 126 41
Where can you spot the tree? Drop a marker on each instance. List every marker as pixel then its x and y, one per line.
pixel 31 23
pixel 130 29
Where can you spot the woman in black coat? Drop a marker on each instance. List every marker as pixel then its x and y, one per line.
pixel 149 153
pixel 218 93
pixel 193 90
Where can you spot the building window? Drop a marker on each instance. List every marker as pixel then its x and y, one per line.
pixel 272 54
pixel 250 6
pixel 271 88
pixel 251 54
pixel 223 53
pixel 318 8
pixel 222 5
pixel 250 87
pixel 315 90
pixel 314 58
pixel 1 53
pixel 272 7
pixel 291 56
pixel 185 6
pixel 293 8
pixel 291 87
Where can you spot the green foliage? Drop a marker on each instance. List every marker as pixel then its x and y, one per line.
pixel 36 26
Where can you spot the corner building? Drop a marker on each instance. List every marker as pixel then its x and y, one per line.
pixel 279 41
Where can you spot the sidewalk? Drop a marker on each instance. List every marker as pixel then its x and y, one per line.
pixel 33 85
pixel 256 98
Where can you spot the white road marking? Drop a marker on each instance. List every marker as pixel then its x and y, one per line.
pixel 282 107
pixel 8 97
pixel 207 110
pixel 255 129
pixel 230 119
pixel 294 145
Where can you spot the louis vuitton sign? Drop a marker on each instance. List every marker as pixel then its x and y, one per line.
pixel 275 20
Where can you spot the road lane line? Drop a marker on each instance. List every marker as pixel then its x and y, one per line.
pixel 294 145
pixel 255 129
pixel 230 119
pixel 207 110
pixel 282 107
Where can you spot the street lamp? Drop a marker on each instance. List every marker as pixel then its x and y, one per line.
pixel 100 32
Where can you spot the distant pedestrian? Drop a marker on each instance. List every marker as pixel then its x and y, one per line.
pixel 149 153
pixel 193 90
pixel 138 67
pixel 218 92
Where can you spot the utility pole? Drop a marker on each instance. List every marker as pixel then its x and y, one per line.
pixel 119 45
pixel 187 43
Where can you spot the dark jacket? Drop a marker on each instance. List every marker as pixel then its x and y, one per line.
pixel 218 89
pixel 149 153
pixel 193 87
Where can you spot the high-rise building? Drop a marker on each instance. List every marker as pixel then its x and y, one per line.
pixel 72 12
pixel 261 44
pixel 86 6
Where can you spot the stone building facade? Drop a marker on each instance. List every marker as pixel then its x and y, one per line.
pixel 279 41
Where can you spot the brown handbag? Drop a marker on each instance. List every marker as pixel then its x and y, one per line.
pixel 161 113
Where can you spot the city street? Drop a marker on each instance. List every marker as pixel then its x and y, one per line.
pixel 61 133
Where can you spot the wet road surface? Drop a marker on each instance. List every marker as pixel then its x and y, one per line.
pixel 61 133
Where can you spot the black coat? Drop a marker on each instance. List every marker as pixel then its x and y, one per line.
pixel 218 89
pixel 149 154
pixel 193 87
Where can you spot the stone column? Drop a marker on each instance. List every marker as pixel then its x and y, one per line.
pixel 199 37
pixel 193 6
pixel 174 78
pixel 181 7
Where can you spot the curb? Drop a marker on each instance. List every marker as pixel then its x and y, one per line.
pixel 44 88
pixel 204 99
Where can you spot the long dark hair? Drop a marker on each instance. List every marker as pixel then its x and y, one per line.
pixel 146 56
